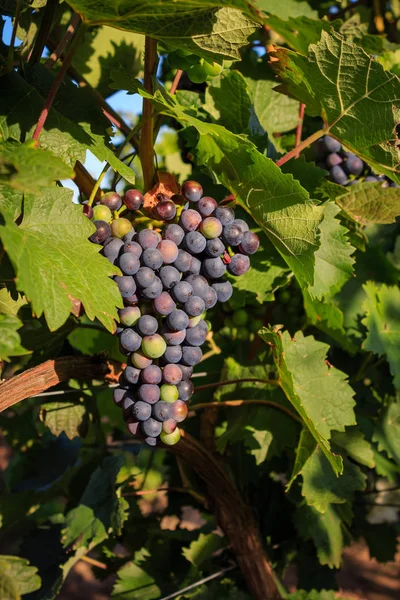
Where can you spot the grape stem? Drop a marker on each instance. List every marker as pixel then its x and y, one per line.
pixel 296 151
pixel 97 185
pixel 94 562
pixel 65 40
pixel 235 403
pixel 146 138
pixel 299 129
pixel 176 81
pixel 13 36
pixel 57 82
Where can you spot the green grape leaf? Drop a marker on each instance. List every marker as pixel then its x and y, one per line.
pixel 29 169
pixel 382 321
pixel 73 126
pixel 62 417
pixel 274 114
pixel 8 306
pixel 10 340
pixel 216 30
pixel 94 341
pixel 101 512
pixel 288 8
pixel 304 450
pixel 104 49
pixel 321 487
pixel 17 577
pixel 11 202
pixel 326 531
pixel 356 446
pixel 55 263
pixel 228 101
pixel 341 83
pixel 276 201
pixel 333 262
pixel 202 549
pixel 318 392
pixel 390 61
pixel 134 583
pixel 299 32
pixel 308 174
pixel 368 203
pixel 387 431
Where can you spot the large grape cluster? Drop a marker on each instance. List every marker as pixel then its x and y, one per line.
pixel 345 168
pixel 168 281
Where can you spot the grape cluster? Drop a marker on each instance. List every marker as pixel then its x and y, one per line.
pixel 198 69
pixel 345 168
pixel 168 281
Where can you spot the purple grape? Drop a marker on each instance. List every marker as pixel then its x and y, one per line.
pixel 190 219
pixel 147 325
pixel 172 354
pixel 151 374
pixel 338 175
pixel 150 441
pixel 154 290
pixel 206 206
pixel 132 247
pixel 152 258
pixel 145 277
pixel 182 291
pixel 241 224
pixel 174 233
pixel 186 388
pixel 103 231
pixel 151 428
pixel 183 261
pixel 179 411
pixel 149 393
pixel 196 336
pixel 215 248
pixel 126 285
pixel 213 268
pixel 112 200
pixel 173 338
pixel 113 249
pixel 224 290
pixel 127 406
pixel 87 211
pixel 119 394
pixel 354 165
pixel 169 276
pixel 195 242
pixel 210 298
pixel 133 199
pixel 168 250
pixel 131 374
pixel 166 210
pixel 199 284
pixel 177 321
pixel 164 304
pixel 141 410
pixel 225 214
pixel 239 264
pixel 131 300
pixel 250 243
pixel 133 426
pixel 331 144
pixel 172 374
pixel 194 306
pixel 233 234
pixel 129 264
pixel 162 411
pixel 147 238
pixel 192 191
pixel 332 160
pixel 195 266
pixel 191 355
pixel 187 373
pixel 130 340
pixel 128 237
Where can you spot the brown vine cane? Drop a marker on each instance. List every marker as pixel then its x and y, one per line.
pixel 234 516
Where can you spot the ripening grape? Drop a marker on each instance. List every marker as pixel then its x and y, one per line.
pixel 190 219
pixel 139 360
pixel 174 233
pixel 133 426
pixel 102 213
pixel 147 238
pixel 133 199
pixel 151 374
pixel 168 251
pixel 153 346
pixel 103 231
pixel 171 373
pixel 132 248
pixel 166 210
pixel 179 411
pixel 192 191
pixel 173 338
pixel 332 160
pixel 149 392
pixel 120 227
pixel 164 304
pixel 211 228
pixel 239 264
pixel 170 439
pixel 169 425
pixel 87 211
pixel 112 200
pixel 169 392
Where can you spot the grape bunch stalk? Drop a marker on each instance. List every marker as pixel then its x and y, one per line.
pixel 345 168
pixel 169 280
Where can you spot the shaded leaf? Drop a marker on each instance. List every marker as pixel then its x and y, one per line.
pixel 55 263
pixel 202 549
pixel 134 583
pixel 304 450
pixel 320 394
pixel 228 101
pixel 288 8
pixel 62 417
pixel 356 446
pixel 369 203
pixel 387 432
pixel 10 340
pixel 17 577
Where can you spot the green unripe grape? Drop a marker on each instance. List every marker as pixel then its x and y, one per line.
pixel 242 334
pixel 129 315
pixel 170 439
pixel 153 346
pixel 212 69
pixel 252 337
pixel 194 321
pixel 234 333
pixel 120 227
pixel 240 317
pixel 209 325
pixel 228 322
pixel 169 392
pixel 197 74
pixel 211 228
pixel 139 360
pixel 225 331
pixel 237 301
pixel 102 213
pixel 177 61
pixel 255 325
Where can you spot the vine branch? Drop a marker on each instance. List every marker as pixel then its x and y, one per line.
pixel 296 151
pixel 65 40
pixel 146 138
pixel 44 30
pixel 299 129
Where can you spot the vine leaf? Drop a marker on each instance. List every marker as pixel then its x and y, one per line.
pixel 355 445
pixel 62 417
pixel 17 577
pixel 288 8
pixel 368 203
pixel 26 168
pixel 217 30
pixel 304 450
pixel 341 83
pixel 134 582
pixel 318 392
pixel 387 433
pixel 101 511
pixel 382 321
pixel 277 202
pixel 10 341
pixel 202 549
pixel 321 487
pixel 228 101
pixel 333 262
pixel 55 263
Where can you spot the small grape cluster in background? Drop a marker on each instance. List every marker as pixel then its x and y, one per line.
pixel 345 168
pixel 169 280
pixel 242 317
pixel 198 69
